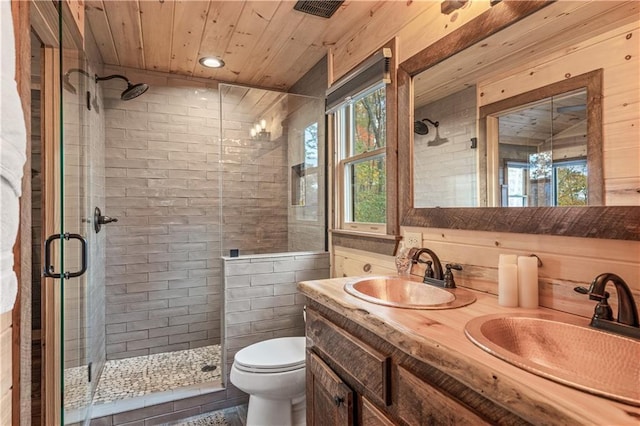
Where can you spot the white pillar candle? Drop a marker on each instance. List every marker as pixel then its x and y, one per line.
pixel 508 258
pixel 528 281
pixel 508 285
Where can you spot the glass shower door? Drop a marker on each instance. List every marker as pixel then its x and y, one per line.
pixel 76 221
pixel 76 232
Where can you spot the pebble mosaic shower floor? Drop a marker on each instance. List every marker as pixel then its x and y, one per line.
pixel 143 375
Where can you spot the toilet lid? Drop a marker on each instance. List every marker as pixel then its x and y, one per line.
pixel 272 356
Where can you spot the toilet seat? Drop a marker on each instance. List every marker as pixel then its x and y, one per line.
pixel 272 356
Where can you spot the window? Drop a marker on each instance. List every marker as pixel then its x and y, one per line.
pixel 361 140
pixel 570 182
pixel 304 177
pixel 527 182
pixel 517 182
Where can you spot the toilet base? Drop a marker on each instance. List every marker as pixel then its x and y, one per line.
pixel 282 412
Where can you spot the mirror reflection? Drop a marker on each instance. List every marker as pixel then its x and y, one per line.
pixel 538 156
pixel 445 165
pixel 542 153
pixel 531 154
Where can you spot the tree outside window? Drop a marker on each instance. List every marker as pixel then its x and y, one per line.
pixel 364 158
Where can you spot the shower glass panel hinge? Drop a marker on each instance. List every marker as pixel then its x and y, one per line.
pixel 89 372
pixel 89 100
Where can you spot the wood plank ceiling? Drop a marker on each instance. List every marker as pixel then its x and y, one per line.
pixel 263 43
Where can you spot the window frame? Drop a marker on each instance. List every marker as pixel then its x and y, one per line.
pixel 373 237
pixel 344 137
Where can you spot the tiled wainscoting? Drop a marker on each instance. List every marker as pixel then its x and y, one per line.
pixel 261 299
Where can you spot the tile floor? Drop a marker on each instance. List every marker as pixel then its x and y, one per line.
pixel 140 376
pixel 234 416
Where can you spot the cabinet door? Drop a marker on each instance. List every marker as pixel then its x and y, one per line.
pixel 362 364
pixel 419 403
pixel 329 399
pixel 370 415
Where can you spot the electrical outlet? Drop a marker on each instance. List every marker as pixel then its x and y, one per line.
pixel 412 239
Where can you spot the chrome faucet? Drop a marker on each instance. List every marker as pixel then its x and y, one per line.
pixel 627 321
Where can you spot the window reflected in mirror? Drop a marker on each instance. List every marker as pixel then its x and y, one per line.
pixel 542 152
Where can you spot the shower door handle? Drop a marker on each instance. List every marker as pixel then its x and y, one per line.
pixel 48 270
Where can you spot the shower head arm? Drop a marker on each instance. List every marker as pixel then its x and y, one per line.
pixel 78 70
pixel 110 77
pixel 132 90
pixel 434 123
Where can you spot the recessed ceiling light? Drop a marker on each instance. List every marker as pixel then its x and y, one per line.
pixel 211 62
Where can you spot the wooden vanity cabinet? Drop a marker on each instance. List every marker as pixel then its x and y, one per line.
pixel 356 378
pixel 331 400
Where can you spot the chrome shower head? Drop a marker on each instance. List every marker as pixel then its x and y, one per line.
pixel 132 91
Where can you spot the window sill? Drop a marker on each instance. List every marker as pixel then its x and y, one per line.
pixel 367 241
pixel 365 234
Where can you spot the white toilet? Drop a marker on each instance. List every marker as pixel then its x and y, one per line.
pixel 272 372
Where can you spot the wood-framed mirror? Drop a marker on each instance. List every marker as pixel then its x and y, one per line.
pixel 515 23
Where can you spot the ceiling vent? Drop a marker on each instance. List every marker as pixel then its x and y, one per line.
pixel 324 9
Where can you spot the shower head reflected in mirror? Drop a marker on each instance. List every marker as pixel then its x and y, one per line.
pixel 421 128
pixel 132 91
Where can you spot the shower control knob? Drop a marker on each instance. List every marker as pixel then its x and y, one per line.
pixel 99 219
pixel 103 220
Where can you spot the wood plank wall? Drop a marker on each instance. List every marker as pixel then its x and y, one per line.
pixel 416 24
pixel 15 326
pixel 615 51
pixel 6 367
pixel 567 261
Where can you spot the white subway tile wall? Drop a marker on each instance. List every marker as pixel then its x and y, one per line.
pixel 163 285
pixel 262 303
pixel 169 213
pixel 185 192
pixel 453 182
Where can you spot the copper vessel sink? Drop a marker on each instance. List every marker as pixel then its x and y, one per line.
pixel 564 349
pixel 405 293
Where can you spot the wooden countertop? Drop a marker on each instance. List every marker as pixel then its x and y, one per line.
pixel 437 337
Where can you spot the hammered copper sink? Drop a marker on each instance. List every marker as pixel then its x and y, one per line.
pixel 564 349
pixel 404 293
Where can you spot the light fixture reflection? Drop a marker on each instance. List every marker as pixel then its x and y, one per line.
pixel 259 131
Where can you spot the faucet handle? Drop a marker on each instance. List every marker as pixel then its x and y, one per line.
pixel 592 296
pixel 449 281
pixel 602 310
